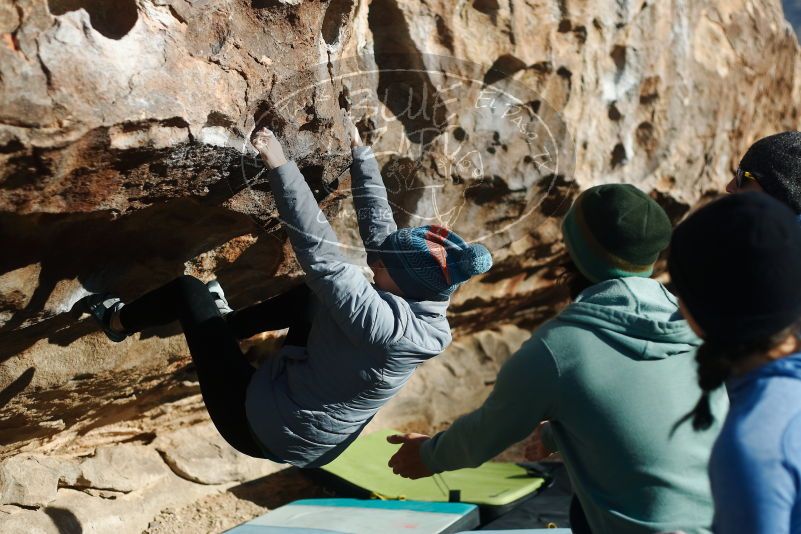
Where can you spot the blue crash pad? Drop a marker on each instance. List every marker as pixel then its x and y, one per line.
pixel 354 516
pixel 530 531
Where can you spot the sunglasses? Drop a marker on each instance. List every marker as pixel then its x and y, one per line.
pixel 741 176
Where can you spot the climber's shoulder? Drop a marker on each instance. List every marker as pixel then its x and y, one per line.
pixel 421 327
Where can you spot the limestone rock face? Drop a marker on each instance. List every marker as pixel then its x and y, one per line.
pixel 199 454
pixel 123 468
pixel 25 481
pixel 33 480
pixel 124 158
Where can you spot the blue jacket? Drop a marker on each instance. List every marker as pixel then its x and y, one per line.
pixel 309 404
pixel 755 468
pixel 613 373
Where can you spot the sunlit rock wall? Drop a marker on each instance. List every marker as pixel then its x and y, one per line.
pixel 124 161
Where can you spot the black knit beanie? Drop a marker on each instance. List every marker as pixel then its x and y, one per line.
pixel 736 264
pixel 776 163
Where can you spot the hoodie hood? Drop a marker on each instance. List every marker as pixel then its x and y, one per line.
pixel 638 315
pixel 788 367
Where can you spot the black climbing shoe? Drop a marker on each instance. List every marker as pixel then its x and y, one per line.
pixel 219 297
pixel 102 307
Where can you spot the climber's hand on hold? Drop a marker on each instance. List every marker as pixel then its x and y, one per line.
pixel 407 462
pixel 269 148
pixel 353 131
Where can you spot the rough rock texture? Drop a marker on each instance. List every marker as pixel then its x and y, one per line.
pixel 128 486
pixel 122 468
pixel 26 481
pixel 172 505
pixel 200 454
pixel 124 162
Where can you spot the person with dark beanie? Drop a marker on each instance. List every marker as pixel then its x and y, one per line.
pixel 736 265
pixel 772 165
pixel 611 374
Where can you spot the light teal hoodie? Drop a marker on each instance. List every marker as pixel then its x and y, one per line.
pixel 613 373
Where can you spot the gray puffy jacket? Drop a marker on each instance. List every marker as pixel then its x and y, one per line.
pixel 308 405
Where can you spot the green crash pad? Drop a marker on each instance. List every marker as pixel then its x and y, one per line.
pixel 362 470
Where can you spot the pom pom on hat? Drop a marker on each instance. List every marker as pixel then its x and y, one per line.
pixel 473 260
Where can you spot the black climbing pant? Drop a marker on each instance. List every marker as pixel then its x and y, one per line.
pixel 222 370
pixel 578 521
pixel 287 310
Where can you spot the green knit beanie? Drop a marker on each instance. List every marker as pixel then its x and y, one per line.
pixel 614 231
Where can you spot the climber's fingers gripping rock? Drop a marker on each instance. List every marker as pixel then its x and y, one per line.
pixel 353 131
pixel 269 148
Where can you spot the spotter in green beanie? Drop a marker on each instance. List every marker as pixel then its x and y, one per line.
pixel 614 231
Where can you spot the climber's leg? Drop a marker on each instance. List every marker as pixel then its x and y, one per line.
pixel 288 310
pixel 222 370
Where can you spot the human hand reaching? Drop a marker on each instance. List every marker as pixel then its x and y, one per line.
pixel 269 148
pixel 407 462
pixel 353 131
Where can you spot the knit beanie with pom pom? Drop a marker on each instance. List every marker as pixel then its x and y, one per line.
pixel 430 262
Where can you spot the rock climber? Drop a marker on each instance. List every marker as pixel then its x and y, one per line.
pixel 364 341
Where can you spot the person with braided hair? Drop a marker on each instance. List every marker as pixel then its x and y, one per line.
pixel 736 265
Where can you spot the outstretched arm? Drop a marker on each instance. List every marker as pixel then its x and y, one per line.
pixel 342 287
pixel 373 211
pixel 522 397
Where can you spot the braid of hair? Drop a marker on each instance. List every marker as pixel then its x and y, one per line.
pixel 716 361
pixel 714 367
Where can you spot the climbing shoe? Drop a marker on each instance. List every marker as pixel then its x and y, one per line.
pixel 102 307
pixel 219 297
